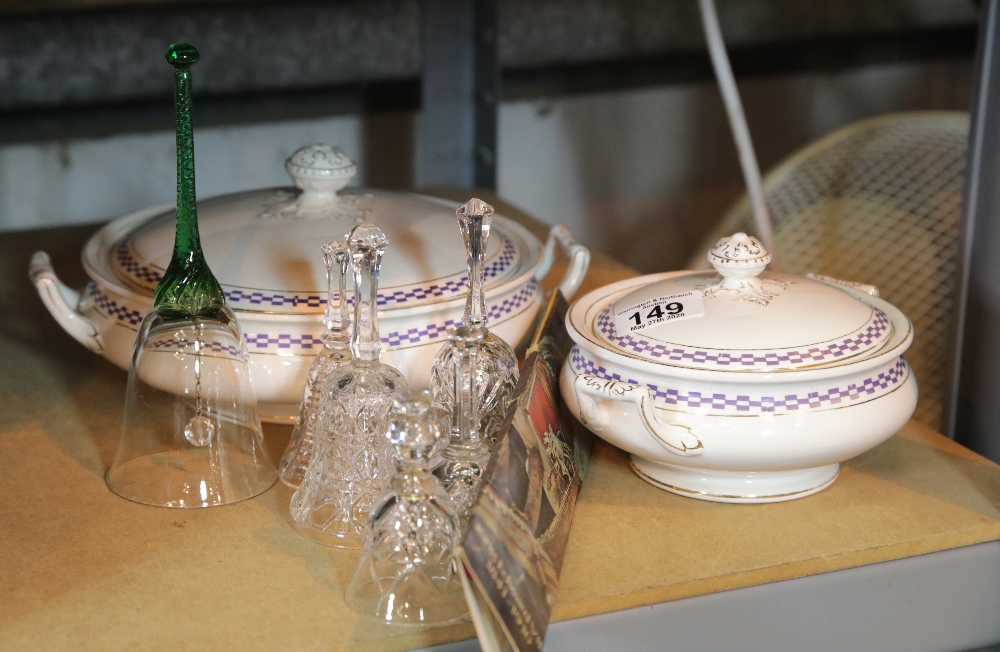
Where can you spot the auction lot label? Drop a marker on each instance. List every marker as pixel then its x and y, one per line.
pixel 639 316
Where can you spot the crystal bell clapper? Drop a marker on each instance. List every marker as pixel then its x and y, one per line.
pixel 466 454
pixel 408 574
pixel 336 353
pixel 496 364
pixel 351 459
pixel 191 435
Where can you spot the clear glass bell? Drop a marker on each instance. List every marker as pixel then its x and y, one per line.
pixel 191 436
pixel 336 353
pixel 408 574
pixel 466 454
pixel 496 370
pixel 351 458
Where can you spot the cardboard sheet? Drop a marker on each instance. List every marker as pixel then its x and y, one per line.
pixel 633 544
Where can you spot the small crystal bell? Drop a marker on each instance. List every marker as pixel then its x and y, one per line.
pixel 466 454
pixel 351 460
pixel 336 353
pixel 408 573
pixel 496 371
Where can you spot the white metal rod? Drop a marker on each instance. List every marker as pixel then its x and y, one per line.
pixel 738 123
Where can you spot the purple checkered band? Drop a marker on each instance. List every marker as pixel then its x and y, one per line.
pixel 110 308
pixel 242 298
pixel 495 312
pixel 208 349
pixel 876 327
pixel 265 342
pixel 881 383
pixel 282 342
pixel 145 275
pixel 308 343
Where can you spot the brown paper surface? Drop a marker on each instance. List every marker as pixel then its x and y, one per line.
pixel 634 544
pixel 83 569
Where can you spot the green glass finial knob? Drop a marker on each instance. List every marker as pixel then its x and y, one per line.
pixel 182 54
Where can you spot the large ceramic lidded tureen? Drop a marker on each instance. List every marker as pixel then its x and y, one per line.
pixel 739 385
pixel 264 247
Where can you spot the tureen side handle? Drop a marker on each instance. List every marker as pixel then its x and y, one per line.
pixel 865 288
pixel 579 259
pixel 675 438
pixel 61 301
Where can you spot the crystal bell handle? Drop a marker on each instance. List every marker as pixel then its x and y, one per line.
pixel 592 394
pixel 336 318
pixel 320 171
pixel 367 244
pixel 466 341
pixel 474 218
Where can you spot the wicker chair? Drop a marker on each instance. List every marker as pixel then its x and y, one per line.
pixel 879 202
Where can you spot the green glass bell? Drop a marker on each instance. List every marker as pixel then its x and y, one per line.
pixel 191 435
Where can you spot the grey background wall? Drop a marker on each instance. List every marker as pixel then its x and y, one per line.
pixel 640 173
pixel 610 121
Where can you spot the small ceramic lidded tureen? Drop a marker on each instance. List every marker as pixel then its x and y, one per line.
pixel 740 385
pixel 264 246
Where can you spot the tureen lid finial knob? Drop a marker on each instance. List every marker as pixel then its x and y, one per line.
pixel 320 168
pixel 739 256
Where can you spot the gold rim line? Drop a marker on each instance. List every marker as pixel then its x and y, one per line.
pixel 694 492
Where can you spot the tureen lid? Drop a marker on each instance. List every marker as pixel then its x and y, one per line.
pixel 741 318
pixel 264 245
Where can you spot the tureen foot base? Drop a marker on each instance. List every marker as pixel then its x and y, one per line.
pixel 735 486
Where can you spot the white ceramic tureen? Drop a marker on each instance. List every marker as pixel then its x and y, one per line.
pixel 264 247
pixel 741 385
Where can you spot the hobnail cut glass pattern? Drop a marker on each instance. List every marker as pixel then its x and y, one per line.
pixel 408 573
pixel 300 446
pixel 336 353
pixel 878 202
pixel 351 456
pixel 496 371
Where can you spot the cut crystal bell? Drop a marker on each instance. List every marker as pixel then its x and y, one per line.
pixel 351 460
pixel 496 371
pixel 408 574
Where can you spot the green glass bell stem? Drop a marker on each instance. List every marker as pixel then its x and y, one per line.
pixel 188 287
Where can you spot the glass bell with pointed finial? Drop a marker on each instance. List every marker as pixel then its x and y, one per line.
pixel 408 574
pixel 496 370
pixel 191 435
